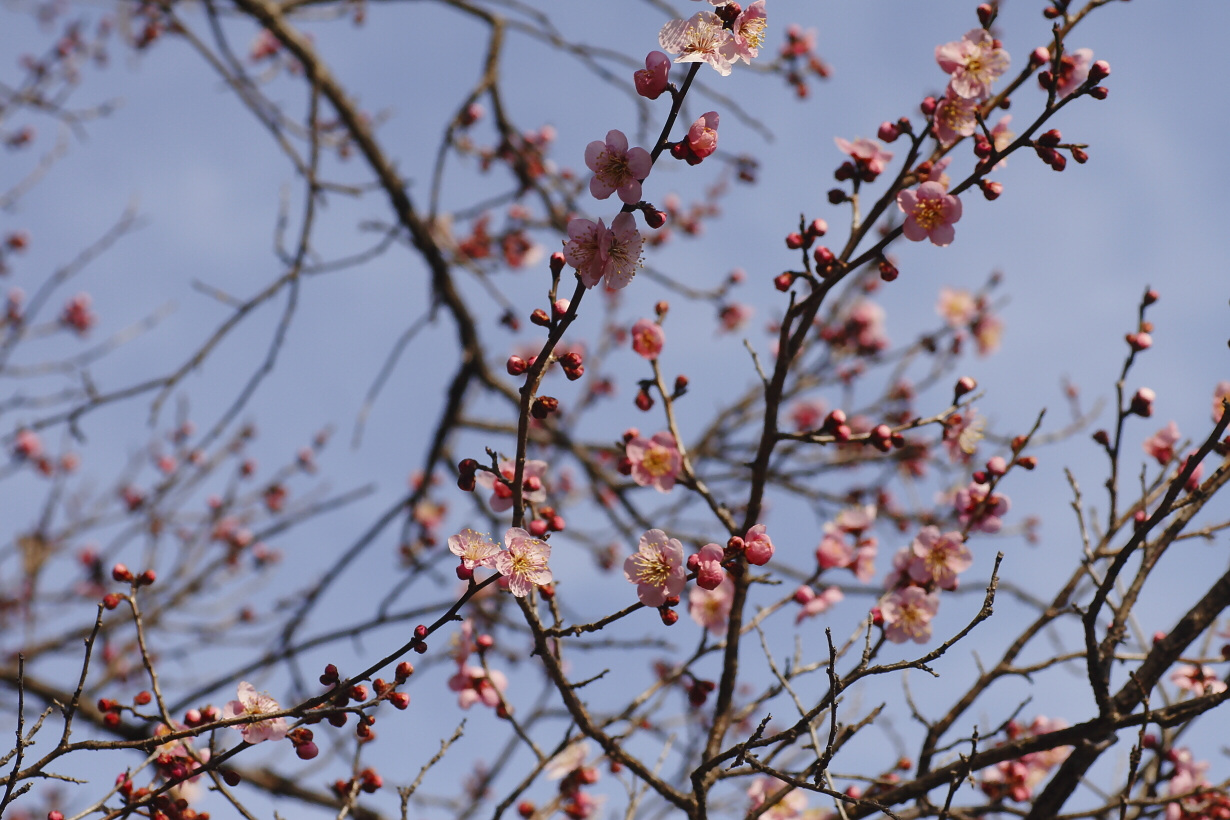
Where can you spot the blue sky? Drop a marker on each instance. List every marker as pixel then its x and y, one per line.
pixel 1077 248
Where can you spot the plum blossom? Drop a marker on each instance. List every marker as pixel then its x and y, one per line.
pixel 748 29
pixel 703 136
pixel 834 551
pixel 930 213
pixel 757 546
pixel 908 613
pixel 617 168
pixel 598 252
pixel 938 559
pixel 864 566
pixel 652 80
pixel 254 704
pixel 533 489
pixel 475 549
pixel 955 117
pixel 648 338
pixel 957 307
pixel 1197 679
pixel 856 519
pixel 814 604
pixel 808 414
pixel 524 563
pixel 734 316
pixel 978 510
pixel 567 761
pixel 1073 71
pixel 709 571
pixel 792 805
pixel 711 608
pixel 962 433
pixel 1161 444
pixel 1220 393
pixel 1194 797
pixel 701 38
pixel 473 684
pixel 988 330
pixel 655 463
pixel 656 568
pixel 1017 779
pixel 975 62
pixel 868 154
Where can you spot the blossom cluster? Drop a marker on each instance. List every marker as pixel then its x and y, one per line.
pixel 929 564
pixel 1016 779
pixel 523 562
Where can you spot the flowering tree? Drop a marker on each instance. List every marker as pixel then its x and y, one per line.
pixel 625 591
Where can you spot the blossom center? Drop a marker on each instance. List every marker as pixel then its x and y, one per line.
pixel 613 168
pixel 652 569
pixel 657 461
pixel 928 213
pixel 753 32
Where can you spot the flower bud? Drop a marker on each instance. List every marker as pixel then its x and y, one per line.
pixel 540 318
pixel 794 241
pixel 888 131
pixel 964 385
pixel 783 281
pixel 654 218
pixel 1099 71
pixel 557 263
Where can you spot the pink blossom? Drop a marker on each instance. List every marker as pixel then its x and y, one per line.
pixel 475 685
pixel 1017 779
pixel 865 326
pixel 988 330
pixel 475 549
pixel 955 117
pixel 868 154
pixel 975 62
pixel 864 566
pixel 596 251
pixel 808 414
pixel 617 168
pixel 1001 138
pixel 938 559
pixel 656 568
pixel 908 613
pixel 655 463
pixel 962 434
pixel 749 29
pixel 1220 393
pixel 709 571
pixel 711 608
pixel 956 307
pixel 1161 444
pixel 703 136
pixel 814 604
pixel 599 253
pixel 856 519
pixel 978 511
pixel 834 551
pixel 652 80
pixel 254 704
pixel 734 316
pixel 573 757
pixel 701 38
pixel 648 337
pixel 930 213
pixel 533 489
pixel 524 563
pixel 792 805
pixel 1197 679
pixel 757 546
pixel 27 445
pixel 1073 70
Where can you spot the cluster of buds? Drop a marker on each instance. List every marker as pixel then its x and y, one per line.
pixel 884 438
pixel 700 142
pixel 835 425
pixel 573 365
pixel 367 781
pixel 1046 146
pixel 547 520
pixel 466 469
pixel 121 573
pixel 302 738
pixel 810 234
